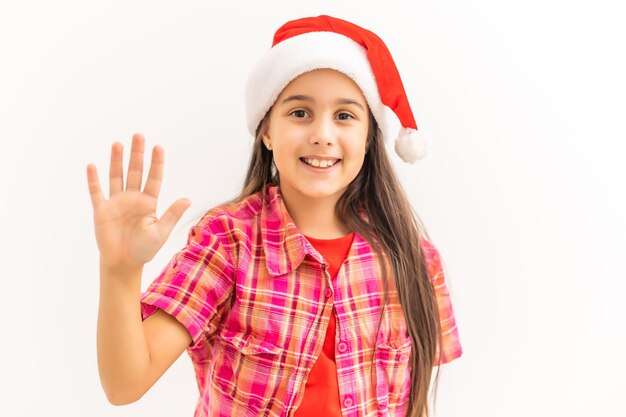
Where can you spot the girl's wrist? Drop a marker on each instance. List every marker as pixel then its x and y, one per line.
pixel 120 272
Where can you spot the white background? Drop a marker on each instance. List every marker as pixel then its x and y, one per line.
pixel 522 190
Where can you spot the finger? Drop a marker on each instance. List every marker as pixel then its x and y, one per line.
pixel 94 186
pixel 155 176
pixel 116 171
pixel 135 166
pixel 171 216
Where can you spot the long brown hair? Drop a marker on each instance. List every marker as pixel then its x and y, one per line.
pixel 390 219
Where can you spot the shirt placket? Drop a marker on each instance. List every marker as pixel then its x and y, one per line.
pixel 343 348
pixel 318 341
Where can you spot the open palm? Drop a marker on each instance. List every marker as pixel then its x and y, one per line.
pixel 127 229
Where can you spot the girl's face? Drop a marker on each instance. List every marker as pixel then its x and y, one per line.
pixel 320 118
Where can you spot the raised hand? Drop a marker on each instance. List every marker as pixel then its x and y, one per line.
pixel 127 229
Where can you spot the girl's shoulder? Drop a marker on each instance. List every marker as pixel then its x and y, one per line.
pixel 432 257
pixel 427 245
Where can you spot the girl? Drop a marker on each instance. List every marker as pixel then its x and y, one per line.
pixel 314 292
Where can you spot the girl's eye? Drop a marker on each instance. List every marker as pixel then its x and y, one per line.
pixel 347 114
pixel 295 112
pixel 301 113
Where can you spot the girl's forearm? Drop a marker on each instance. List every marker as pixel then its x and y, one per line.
pixel 123 353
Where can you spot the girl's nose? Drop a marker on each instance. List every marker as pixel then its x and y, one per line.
pixel 324 132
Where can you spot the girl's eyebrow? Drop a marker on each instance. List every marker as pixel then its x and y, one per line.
pixel 301 97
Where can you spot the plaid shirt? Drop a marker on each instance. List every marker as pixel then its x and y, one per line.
pixel 256 299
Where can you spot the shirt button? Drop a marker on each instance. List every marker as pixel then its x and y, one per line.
pixel 328 292
pixel 348 401
pixel 342 347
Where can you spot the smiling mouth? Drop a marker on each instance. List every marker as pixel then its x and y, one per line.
pixel 314 163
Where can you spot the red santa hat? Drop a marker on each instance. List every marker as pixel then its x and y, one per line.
pixel 311 43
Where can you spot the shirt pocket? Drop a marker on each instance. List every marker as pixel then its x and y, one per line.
pixel 393 373
pixel 247 370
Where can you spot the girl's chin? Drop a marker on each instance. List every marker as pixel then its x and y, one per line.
pixel 320 189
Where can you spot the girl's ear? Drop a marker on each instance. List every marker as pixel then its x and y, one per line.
pixel 264 128
pixel 266 141
pixel 264 134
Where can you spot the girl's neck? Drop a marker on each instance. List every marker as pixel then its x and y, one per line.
pixel 314 217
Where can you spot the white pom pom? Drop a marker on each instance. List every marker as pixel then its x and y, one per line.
pixel 410 145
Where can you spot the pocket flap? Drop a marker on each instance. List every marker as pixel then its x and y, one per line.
pixel 249 344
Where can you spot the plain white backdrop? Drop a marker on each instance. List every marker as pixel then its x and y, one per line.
pixel 522 190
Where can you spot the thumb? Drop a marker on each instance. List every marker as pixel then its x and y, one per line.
pixel 171 216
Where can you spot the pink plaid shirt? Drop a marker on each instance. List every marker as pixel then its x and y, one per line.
pixel 256 299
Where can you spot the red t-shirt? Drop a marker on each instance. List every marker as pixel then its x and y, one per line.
pixel 321 392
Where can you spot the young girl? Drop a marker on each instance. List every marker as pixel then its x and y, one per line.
pixel 314 292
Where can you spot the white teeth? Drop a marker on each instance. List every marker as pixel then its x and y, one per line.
pixel 320 164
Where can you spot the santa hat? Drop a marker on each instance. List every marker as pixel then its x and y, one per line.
pixel 311 43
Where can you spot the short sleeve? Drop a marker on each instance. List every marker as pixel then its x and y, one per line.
pixel 195 285
pixel 449 332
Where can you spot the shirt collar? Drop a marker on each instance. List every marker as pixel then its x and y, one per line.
pixel 284 245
